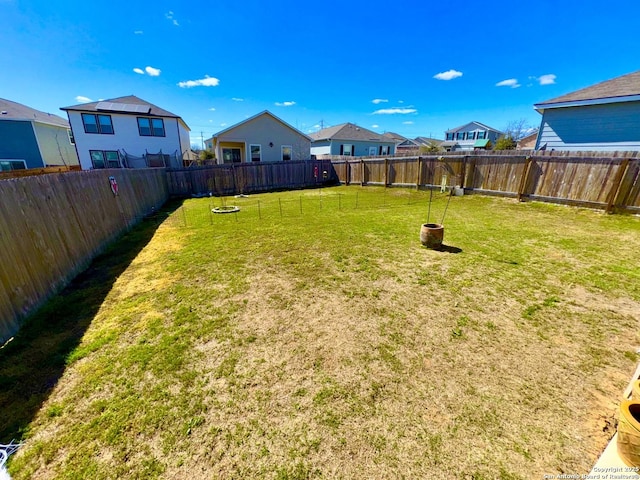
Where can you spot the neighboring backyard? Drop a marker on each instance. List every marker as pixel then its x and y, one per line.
pixel 310 335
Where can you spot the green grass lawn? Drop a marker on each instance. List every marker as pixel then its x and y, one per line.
pixel 311 335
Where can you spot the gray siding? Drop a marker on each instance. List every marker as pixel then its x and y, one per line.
pixel 361 148
pixel 18 141
pixel 265 130
pixel 615 126
pixel 55 147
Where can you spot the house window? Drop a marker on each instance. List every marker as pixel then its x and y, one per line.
pixel 105 158
pixel 384 149
pixel 482 135
pixel 372 151
pixel 471 135
pixel 72 140
pixel 97 123
pixel 460 136
pixel 286 152
pixel 346 150
pixel 231 155
pixel 151 127
pixel 256 153
pixel 450 136
pixel 6 165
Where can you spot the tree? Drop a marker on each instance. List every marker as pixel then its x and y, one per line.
pixel 505 142
pixel 431 147
pixel 516 129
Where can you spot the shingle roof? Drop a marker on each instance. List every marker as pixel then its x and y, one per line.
pixel 130 99
pixel 394 136
pixel 463 127
pixel 623 86
pixel 348 131
pixel 427 140
pixel 16 111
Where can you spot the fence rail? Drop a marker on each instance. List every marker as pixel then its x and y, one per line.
pixel 608 182
pixel 232 179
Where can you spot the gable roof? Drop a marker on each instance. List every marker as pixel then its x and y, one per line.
pixel 265 112
pixel 463 128
pixel 609 91
pixel 103 106
pixel 349 131
pixel 394 136
pixel 16 111
pixel 427 140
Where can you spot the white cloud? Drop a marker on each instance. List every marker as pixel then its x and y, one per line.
pixel 379 100
pixel 392 111
pixel 139 71
pixel 317 125
pixel 285 104
pixel 548 79
pixel 510 82
pixel 153 72
pixel 170 17
pixel 82 99
pixel 400 101
pixel 448 75
pixel 407 123
pixel 212 109
pixel 236 99
pixel 207 81
pixel 375 126
pixel 138 32
pixel 223 124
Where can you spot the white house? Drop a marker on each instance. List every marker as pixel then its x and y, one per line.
pixel 129 132
pixel 261 138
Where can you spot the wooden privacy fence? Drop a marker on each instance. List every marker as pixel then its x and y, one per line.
pixel 239 178
pixel 611 183
pixel 51 227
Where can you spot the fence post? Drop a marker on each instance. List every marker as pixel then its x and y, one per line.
pixel 463 171
pixel 386 172
pixel 616 191
pixel 524 180
pixel 419 172
pixel 362 173
pixel 347 172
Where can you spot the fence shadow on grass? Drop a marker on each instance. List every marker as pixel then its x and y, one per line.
pixel 35 359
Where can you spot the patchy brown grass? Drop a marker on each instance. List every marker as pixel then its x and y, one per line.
pixel 334 345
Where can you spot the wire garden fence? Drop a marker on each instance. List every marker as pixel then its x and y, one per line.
pixel 211 211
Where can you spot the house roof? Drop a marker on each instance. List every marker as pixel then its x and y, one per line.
pixel 104 106
pixel 265 112
pixel 463 128
pixel 619 88
pixel 427 140
pixel 16 111
pixel 349 131
pixel 396 137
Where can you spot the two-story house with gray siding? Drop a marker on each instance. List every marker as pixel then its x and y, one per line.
pixel 471 136
pixel 30 138
pixel 351 140
pixel 602 117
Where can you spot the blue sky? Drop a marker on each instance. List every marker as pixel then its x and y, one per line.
pixel 416 68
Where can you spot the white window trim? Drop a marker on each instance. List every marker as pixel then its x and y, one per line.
pixel 344 145
pixel 250 157
pixel 282 147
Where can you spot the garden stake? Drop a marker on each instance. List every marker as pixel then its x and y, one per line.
pixel 446 206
